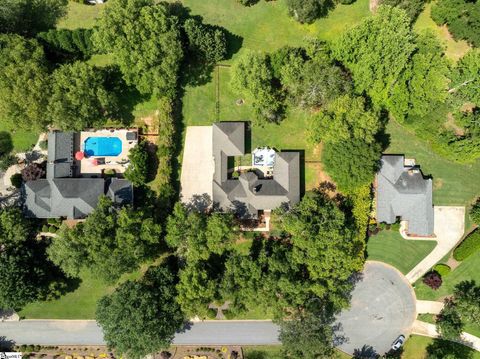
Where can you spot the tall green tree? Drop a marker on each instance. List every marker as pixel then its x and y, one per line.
pixel 423 84
pixel 325 244
pixel 252 76
pixel 146 311
pixel 308 335
pixel 449 322
pixel 351 164
pixel 465 77
pixel 109 243
pixel 24 82
pixel 205 42
pixel 79 98
pixel 29 17
pixel 138 170
pixel 307 11
pixel 145 40
pixel 377 51
pixel 345 118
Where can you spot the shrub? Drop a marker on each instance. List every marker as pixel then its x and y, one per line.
pixel 45 228
pixel 6 144
pixel 211 313
pixel 475 212
pixel 433 280
pixel 442 269
pixel 16 180
pixel 33 172
pixel 7 161
pixel 307 11
pixel 468 246
pixel 248 2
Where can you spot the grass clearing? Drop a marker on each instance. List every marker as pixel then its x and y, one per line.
pixel 454 49
pixel 80 15
pixel 78 304
pixel 416 348
pixel 388 246
pixel 22 140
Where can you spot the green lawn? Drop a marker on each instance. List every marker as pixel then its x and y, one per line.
pixel 78 304
pixel 454 183
pixel 23 140
pixel 416 348
pixel 469 269
pixel 454 49
pixel 389 247
pixel 80 15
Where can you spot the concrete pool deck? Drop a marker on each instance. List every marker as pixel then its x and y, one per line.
pixel 117 163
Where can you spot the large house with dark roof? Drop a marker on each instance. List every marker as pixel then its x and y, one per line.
pixel 253 190
pixel 63 193
pixel 403 192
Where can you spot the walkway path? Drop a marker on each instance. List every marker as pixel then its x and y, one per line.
pixel 430 330
pixel 449 229
pixel 428 306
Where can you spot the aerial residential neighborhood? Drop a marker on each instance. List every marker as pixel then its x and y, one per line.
pixel 239 179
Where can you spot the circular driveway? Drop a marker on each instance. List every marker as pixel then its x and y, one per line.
pixel 383 306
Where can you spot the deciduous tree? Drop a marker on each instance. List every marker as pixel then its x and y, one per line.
pixel 138 169
pixel 145 40
pixel 79 99
pixel 24 82
pixel 147 312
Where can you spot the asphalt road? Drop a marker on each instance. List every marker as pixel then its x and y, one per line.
pixel 383 306
pixel 87 332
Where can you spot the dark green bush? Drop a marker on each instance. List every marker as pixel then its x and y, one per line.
pixel 475 212
pixel 469 245
pixel 248 2
pixel 68 43
pixel 16 180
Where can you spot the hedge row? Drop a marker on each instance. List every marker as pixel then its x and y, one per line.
pixel 165 151
pixel 470 245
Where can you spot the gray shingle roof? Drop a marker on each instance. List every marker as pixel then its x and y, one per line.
pixel 404 192
pixel 251 193
pixel 60 154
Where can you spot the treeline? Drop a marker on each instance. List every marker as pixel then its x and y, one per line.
pixel 46 81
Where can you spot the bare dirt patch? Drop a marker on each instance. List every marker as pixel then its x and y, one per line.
pixel 451 125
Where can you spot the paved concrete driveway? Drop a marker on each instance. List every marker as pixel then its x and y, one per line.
pixel 382 308
pixel 197 164
pixel 449 228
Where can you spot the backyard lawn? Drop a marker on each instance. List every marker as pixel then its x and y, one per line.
pixel 80 15
pixel 455 184
pixel 23 140
pixel 454 49
pixel 389 247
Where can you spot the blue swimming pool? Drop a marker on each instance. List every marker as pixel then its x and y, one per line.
pixel 102 146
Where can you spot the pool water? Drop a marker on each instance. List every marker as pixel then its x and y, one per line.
pixel 102 146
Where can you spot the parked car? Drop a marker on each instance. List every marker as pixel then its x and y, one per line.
pixel 398 342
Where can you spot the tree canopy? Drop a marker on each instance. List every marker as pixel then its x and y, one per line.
pixel 29 17
pixel 252 76
pixel 144 38
pixel 147 312
pixel 79 98
pixel 307 11
pixel 24 82
pixel 109 243
pixel 138 170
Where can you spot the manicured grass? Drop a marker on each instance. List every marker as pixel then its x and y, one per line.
pixel 455 184
pixel 80 15
pixel 266 26
pixel 78 304
pixel 469 269
pixel 22 140
pixel 416 348
pixel 389 247
pixel 454 49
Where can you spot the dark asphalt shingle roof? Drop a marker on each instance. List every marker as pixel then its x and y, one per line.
pixel 60 154
pixel 404 192
pixel 250 193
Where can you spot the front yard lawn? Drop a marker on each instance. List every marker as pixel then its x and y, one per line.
pixel 78 304
pixel 416 348
pixel 388 246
